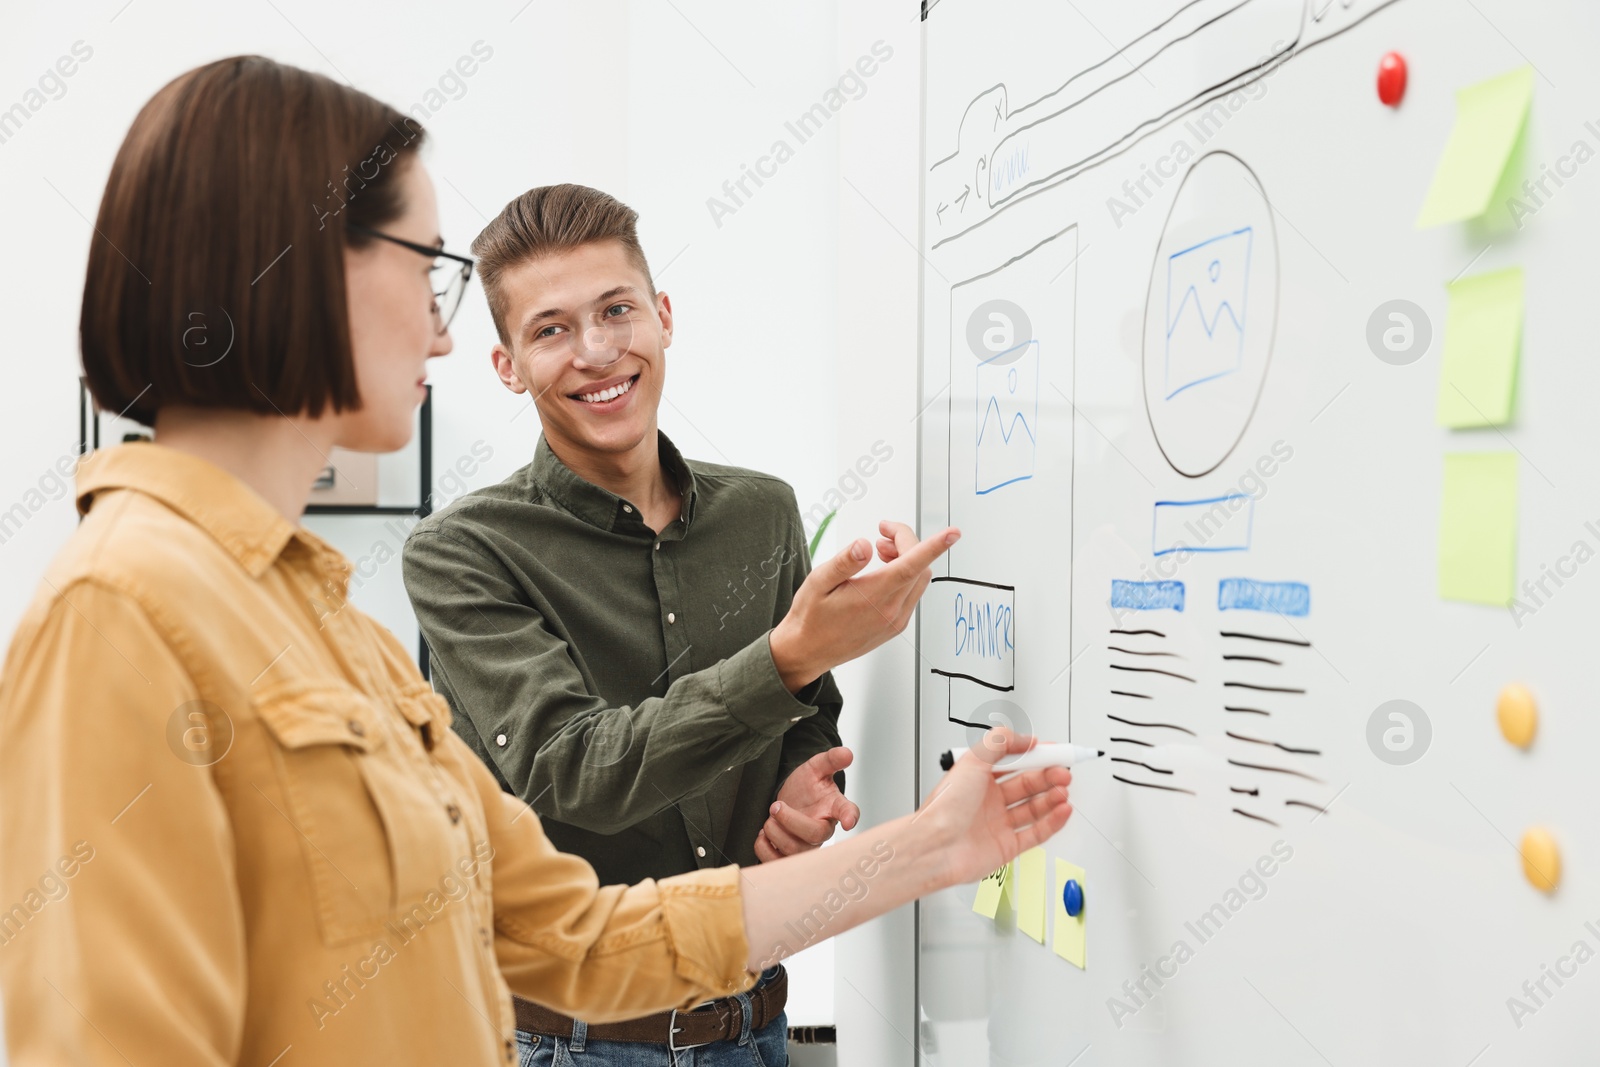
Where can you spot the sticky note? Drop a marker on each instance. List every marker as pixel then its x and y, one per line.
pixel 1482 346
pixel 995 887
pixel 1031 890
pixel 1068 940
pixel 1489 119
pixel 1478 528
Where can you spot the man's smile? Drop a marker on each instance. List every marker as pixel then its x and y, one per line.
pixel 605 393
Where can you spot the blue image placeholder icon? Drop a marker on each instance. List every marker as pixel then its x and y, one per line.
pixel 1007 414
pixel 1072 897
pixel 1207 288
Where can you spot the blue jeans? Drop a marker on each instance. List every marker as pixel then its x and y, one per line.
pixel 766 1047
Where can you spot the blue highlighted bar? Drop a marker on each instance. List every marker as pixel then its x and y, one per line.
pixel 1247 594
pixel 1146 596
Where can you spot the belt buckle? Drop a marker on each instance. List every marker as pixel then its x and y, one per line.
pixel 672 1035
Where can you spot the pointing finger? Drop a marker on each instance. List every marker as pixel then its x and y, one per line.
pixel 920 557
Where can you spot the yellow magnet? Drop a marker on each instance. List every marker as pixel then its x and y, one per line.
pixel 1518 714
pixel 1541 859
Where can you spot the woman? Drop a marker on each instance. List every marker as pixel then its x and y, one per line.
pixel 233 814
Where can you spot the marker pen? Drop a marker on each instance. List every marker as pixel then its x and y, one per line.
pixel 1044 754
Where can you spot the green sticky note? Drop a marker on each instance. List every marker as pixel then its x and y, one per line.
pixel 1068 940
pixel 1478 528
pixel 995 887
pixel 1482 346
pixel 1031 890
pixel 1489 119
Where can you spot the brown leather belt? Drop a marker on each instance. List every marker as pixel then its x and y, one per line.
pixel 718 1020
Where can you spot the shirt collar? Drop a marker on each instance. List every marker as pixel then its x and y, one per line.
pixel 236 516
pixel 601 507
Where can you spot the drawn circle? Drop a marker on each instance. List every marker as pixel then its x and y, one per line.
pixel 999 712
pixel 1399 332
pixel 1204 358
pixel 199 733
pixel 997 330
pixel 1399 732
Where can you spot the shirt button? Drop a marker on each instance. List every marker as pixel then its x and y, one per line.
pixel 454 813
pixel 483 932
pixel 700 850
pixel 357 727
pixel 500 740
pixel 658 546
pixel 672 616
pixel 628 508
pixel 795 719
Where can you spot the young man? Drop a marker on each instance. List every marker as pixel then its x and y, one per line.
pixel 630 640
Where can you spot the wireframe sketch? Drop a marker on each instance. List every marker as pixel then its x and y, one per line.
pixel 1008 416
pixel 1005 150
pixel 1210 314
pixel 1210 283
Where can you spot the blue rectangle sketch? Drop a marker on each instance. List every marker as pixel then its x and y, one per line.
pixel 1008 416
pixel 1214 524
pixel 1146 596
pixel 1247 594
pixel 1206 289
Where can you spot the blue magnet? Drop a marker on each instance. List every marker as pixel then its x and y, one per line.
pixel 1072 897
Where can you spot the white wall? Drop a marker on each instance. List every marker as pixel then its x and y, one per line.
pixel 795 347
pixel 874 997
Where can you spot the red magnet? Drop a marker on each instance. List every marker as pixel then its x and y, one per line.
pixel 1392 79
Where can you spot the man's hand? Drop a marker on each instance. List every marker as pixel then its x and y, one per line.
pixel 837 616
pixel 808 807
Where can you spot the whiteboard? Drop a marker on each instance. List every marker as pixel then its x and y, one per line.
pixel 1200 523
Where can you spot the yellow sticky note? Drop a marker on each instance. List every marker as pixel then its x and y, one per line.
pixel 1478 528
pixel 1482 344
pixel 1068 940
pixel 1489 119
pixel 1031 891
pixel 994 888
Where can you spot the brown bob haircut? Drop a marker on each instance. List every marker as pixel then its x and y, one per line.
pixel 216 275
pixel 547 220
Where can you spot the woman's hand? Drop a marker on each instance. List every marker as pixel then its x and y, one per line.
pixel 985 823
pixel 969 825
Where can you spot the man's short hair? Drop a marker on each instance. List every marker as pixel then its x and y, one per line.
pixel 216 275
pixel 547 220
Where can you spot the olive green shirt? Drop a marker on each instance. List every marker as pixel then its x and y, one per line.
pixel 618 679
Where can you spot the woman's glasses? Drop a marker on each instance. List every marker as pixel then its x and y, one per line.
pixel 448 276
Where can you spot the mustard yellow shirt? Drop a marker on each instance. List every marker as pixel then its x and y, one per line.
pixel 235 827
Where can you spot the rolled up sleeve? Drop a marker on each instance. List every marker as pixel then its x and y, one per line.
pixel 605 953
